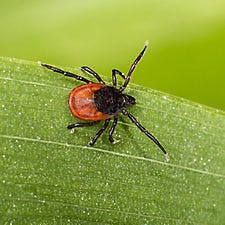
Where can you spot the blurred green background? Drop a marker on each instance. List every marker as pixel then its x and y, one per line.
pixel 187 40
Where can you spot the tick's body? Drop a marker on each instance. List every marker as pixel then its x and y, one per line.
pixel 94 102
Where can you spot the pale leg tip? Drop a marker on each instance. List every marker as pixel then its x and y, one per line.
pixel 167 157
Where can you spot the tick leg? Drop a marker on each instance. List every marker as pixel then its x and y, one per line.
pixel 72 126
pixel 113 129
pixel 133 67
pixel 100 132
pixel 93 73
pixel 126 113
pixel 114 73
pixel 65 73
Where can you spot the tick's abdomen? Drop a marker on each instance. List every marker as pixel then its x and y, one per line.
pixel 81 102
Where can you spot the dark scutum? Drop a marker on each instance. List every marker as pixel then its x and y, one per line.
pixel 109 100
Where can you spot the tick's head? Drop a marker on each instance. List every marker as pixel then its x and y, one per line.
pixel 129 100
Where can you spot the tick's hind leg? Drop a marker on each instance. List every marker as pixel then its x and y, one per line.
pixel 72 126
pixel 65 73
pixel 100 132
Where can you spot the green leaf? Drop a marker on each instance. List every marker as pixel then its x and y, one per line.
pixel 49 175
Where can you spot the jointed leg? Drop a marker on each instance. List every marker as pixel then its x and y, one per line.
pixel 114 73
pixel 72 126
pixel 68 74
pixel 93 73
pixel 126 113
pixel 133 67
pixel 113 128
pixel 100 132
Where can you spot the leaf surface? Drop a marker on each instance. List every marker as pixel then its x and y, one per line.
pixel 49 175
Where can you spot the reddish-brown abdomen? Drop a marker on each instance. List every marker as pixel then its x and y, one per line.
pixel 81 102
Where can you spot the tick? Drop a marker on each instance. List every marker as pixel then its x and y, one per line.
pixel 94 102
